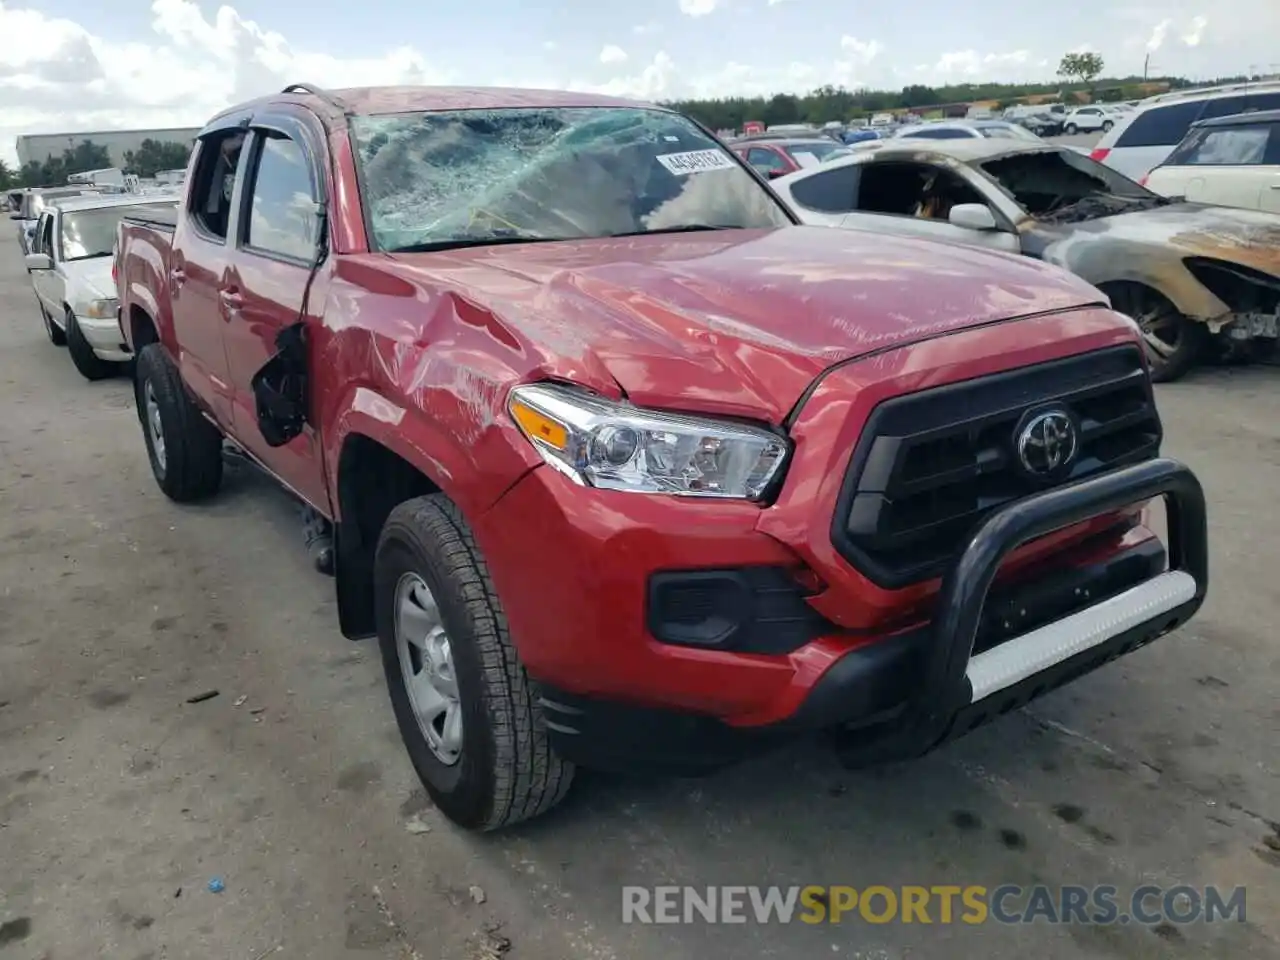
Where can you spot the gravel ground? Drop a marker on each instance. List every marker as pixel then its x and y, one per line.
pixel 120 801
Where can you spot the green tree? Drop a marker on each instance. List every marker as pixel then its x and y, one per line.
pixel 53 172
pixel 1084 67
pixel 7 176
pixel 153 156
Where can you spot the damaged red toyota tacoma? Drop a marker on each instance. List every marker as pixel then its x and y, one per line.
pixel 626 469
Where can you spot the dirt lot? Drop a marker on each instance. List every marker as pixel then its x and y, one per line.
pixel 120 801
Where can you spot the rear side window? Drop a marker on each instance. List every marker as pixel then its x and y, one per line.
pixel 1263 101
pixel 1161 126
pixel 1238 146
pixel 1224 107
pixel 832 191
pixel 215 174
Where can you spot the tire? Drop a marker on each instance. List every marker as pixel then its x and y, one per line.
pixel 187 460
pixel 1070 129
pixel 503 769
pixel 57 337
pixel 90 365
pixel 1157 317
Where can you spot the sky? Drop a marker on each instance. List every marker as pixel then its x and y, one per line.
pixel 68 65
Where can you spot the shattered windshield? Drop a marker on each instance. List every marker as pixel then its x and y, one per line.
pixel 1064 185
pixel 470 177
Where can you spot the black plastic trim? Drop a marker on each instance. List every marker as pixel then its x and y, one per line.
pixel 757 609
pixel 948 409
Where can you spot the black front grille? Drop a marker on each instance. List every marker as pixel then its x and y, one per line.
pixel 931 465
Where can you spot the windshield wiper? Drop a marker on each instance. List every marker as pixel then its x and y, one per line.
pixel 687 228
pixel 460 243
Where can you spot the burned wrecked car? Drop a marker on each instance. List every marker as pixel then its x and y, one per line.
pixel 1190 275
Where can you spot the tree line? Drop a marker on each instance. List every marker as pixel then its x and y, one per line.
pixel 1081 83
pixel 151 157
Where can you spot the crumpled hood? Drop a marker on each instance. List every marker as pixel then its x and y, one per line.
pixel 737 321
pixel 1246 237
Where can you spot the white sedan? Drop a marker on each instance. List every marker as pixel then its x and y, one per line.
pixel 70 267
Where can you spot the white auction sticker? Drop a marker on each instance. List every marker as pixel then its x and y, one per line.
pixel 695 161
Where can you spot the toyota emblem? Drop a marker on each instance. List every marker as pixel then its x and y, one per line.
pixel 1047 444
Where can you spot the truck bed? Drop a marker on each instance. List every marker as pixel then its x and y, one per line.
pixel 161 218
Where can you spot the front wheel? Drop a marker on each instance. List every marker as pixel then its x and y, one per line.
pixel 1106 126
pixel 90 365
pixel 1173 341
pixel 184 448
pixel 467 711
pixel 1071 129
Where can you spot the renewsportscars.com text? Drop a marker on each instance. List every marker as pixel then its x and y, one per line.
pixel 939 904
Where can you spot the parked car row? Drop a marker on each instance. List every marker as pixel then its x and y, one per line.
pixel 1185 272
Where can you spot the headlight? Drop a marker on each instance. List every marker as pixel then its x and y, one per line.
pixel 101 309
pixel 620 447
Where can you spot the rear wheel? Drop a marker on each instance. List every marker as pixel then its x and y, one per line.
pixel 184 448
pixel 467 711
pixel 1173 341
pixel 90 365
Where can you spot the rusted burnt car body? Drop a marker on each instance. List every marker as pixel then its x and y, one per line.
pixel 1188 273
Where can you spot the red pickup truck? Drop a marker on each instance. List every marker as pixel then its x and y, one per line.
pixel 625 468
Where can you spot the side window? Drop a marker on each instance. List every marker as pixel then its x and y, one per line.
pixel 282 213
pixel 36 245
pixel 1161 126
pixel 1272 156
pixel 831 191
pixel 913 190
pixel 215 175
pixel 1225 145
pixel 44 236
pixel 765 160
pixel 1224 107
pixel 1263 101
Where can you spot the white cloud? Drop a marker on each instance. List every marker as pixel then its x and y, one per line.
pixel 612 54
pixel 1195 31
pixel 646 29
pixel 865 50
pixel 971 63
pixel 698 8
pixel 1158 32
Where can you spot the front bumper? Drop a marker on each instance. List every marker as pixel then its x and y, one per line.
pixel 104 336
pixel 900 696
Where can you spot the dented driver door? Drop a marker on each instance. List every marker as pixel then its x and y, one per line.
pixel 272 292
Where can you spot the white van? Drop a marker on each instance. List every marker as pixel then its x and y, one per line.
pixel 1144 137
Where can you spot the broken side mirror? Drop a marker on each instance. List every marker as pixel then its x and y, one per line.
pixel 972 216
pixel 280 389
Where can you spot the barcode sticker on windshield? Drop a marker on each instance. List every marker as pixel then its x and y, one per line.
pixel 695 161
